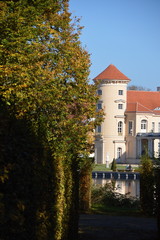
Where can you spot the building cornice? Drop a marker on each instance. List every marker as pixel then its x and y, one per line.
pixel 114 81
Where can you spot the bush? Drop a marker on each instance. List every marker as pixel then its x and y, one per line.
pixel 147 185
pixel 157 180
pixel 113 165
pixel 106 196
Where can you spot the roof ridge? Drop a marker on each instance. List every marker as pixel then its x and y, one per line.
pixel 143 91
pixel 144 107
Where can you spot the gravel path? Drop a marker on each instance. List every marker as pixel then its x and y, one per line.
pixel 104 227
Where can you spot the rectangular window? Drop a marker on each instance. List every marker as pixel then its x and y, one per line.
pixel 153 127
pixel 119 152
pixel 144 124
pixel 120 128
pixel 159 149
pixel 120 92
pixel 130 128
pixel 99 92
pixel 99 106
pixel 120 106
pixel 99 129
pixel 159 127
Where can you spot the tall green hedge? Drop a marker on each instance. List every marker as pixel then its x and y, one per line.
pixel 157 177
pixel 147 185
pixel 47 105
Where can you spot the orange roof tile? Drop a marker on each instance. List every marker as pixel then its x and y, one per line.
pixel 143 101
pixel 111 73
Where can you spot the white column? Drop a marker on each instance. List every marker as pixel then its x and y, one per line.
pixel 139 147
pixel 95 155
pixel 103 157
pixel 151 147
pixel 107 160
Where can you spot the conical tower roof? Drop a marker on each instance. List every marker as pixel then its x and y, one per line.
pixel 111 73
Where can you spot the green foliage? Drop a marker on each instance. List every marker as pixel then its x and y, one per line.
pixel 100 167
pixel 146 165
pixel 113 165
pixel 147 185
pixel 24 190
pixel 44 85
pixel 157 195
pixel 150 188
pixel 107 197
pixel 85 184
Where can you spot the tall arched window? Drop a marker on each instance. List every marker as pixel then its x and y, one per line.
pixel 143 125
pixel 120 127
pixel 119 152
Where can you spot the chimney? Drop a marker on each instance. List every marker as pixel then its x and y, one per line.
pixel 158 89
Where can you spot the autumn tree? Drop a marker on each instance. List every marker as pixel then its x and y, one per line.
pixel 44 90
pixel 138 88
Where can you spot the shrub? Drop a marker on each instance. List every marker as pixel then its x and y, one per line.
pixel 147 185
pixel 106 196
pixel 113 166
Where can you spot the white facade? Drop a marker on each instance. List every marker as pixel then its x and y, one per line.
pixel 142 136
pixel 111 136
pixel 131 188
pixel 128 128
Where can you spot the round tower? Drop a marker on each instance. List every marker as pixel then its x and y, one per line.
pixel 110 136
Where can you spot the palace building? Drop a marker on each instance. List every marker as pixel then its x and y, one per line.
pixel 132 120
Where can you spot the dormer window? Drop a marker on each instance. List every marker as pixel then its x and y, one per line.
pixel 157 108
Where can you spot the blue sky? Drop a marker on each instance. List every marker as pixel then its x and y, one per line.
pixel 125 33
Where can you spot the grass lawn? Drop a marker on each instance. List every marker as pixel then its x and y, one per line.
pixel 115 210
pixel 102 167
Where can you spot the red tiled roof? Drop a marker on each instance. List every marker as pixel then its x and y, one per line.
pixel 142 101
pixel 111 73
